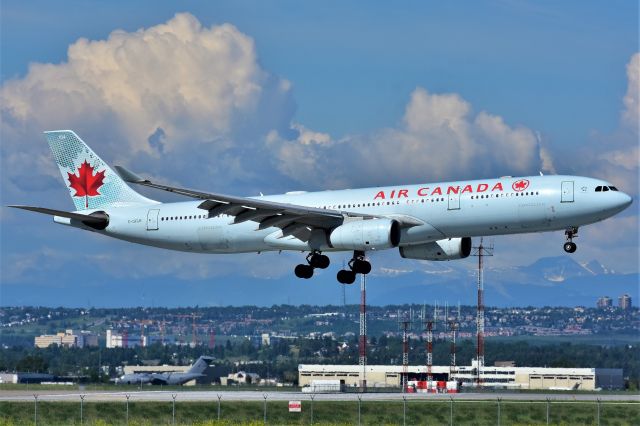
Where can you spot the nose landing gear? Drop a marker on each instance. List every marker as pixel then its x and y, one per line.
pixel 570 246
pixel 315 260
pixel 358 265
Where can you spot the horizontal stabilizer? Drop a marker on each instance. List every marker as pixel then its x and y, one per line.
pixel 128 175
pixel 96 220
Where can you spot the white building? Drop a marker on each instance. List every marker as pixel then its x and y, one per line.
pixel 117 340
pixel 507 377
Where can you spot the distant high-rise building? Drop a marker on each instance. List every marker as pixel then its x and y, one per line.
pixel 604 302
pixel 624 302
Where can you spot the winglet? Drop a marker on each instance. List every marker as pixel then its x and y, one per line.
pixel 128 175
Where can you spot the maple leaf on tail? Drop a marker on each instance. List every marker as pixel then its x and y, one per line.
pixel 86 183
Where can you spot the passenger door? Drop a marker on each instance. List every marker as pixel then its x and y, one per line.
pixel 454 201
pixel 152 220
pixel 567 191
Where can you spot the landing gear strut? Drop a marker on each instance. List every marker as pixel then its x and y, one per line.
pixel 314 260
pixel 357 265
pixel 570 246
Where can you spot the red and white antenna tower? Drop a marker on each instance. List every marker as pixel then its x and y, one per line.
pixel 362 344
pixel 405 352
pixel 481 251
pixel 453 326
pixel 429 327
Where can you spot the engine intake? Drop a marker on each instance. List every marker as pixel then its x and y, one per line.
pixel 370 234
pixel 447 249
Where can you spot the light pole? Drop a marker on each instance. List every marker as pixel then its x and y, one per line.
pixel 499 399
pixel 81 408
pixel 35 409
pixel 359 412
pixel 219 397
pixel 451 412
pixel 312 398
pixel 265 396
pixel 404 410
pixel 127 396
pixel 173 413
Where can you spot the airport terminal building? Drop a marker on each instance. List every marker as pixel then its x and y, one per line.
pixel 500 377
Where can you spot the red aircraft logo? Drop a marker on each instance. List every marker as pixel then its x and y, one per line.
pixel 520 185
pixel 86 183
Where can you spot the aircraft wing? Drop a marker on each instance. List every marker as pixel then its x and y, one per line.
pixel 293 219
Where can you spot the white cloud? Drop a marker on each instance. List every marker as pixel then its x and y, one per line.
pixel 178 88
pixel 439 138
pixel 631 114
pixel 616 157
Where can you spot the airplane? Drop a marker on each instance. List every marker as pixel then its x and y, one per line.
pixel 432 221
pixel 169 378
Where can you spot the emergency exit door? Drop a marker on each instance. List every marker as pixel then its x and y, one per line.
pixel 567 191
pixel 152 219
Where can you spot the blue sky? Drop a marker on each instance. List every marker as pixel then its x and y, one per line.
pixel 308 95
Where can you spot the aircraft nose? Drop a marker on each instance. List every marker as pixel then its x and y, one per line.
pixel 625 201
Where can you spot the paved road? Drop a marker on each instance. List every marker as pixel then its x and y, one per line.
pixel 99 396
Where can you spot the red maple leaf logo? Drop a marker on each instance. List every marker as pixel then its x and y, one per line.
pixel 520 185
pixel 86 183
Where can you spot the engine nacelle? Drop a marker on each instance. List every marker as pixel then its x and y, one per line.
pixel 370 234
pixel 447 249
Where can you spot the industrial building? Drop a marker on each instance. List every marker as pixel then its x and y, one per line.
pixel 504 377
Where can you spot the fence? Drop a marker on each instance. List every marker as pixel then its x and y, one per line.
pixel 344 409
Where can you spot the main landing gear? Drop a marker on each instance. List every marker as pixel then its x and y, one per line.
pixel 570 246
pixel 357 265
pixel 314 260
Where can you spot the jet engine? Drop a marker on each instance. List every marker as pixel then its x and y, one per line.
pixel 369 234
pixel 447 249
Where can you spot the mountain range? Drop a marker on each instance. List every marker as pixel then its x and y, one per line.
pixel 550 281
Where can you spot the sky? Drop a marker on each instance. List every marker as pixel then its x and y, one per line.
pixel 244 97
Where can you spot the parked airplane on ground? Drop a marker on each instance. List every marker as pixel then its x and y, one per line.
pixel 433 221
pixel 170 378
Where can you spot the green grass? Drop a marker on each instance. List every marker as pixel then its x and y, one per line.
pixel 324 413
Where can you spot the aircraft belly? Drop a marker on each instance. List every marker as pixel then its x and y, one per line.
pixel 535 215
pixel 420 234
pixel 225 238
pixel 214 238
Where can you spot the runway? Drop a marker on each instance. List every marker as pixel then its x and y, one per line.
pixel 203 396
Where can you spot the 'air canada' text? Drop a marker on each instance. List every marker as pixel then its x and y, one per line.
pixel 438 190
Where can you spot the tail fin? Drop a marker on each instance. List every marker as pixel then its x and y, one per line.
pixel 92 183
pixel 200 365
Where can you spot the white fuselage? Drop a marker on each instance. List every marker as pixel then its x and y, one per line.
pixel 507 205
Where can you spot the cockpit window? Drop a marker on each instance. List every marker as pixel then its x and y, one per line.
pixel 613 188
pixel 598 189
pixel 605 188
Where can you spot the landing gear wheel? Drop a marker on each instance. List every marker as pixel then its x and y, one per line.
pixel 319 261
pixel 346 277
pixel 304 271
pixel 361 266
pixel 570 246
